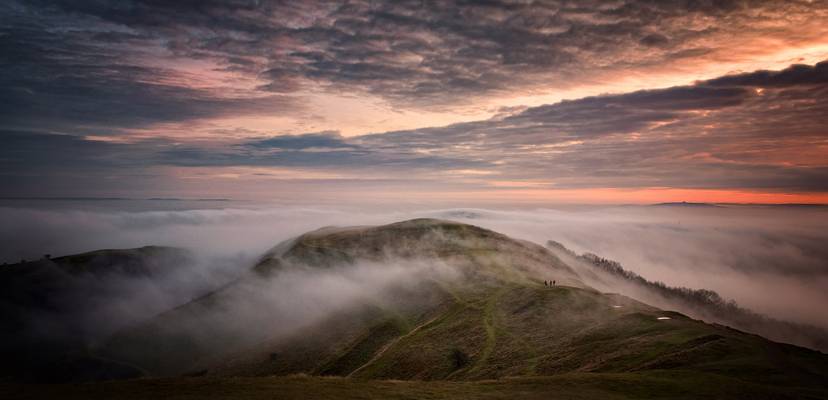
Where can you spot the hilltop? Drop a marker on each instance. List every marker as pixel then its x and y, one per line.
pixel 496 319
pixel 469 309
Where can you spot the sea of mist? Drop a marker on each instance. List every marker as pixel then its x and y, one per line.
pixel 771 259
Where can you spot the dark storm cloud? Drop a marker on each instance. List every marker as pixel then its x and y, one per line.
pixel 760 130
pixel 722 133
pixel 321 140
pixel 34 162
pixel 69 70
pixel 298 153
pixel 43 164
pixel 25 149
pixel 422 53
pixel 86 99
pixel 90 63
pixel 795 75
pixel 588 118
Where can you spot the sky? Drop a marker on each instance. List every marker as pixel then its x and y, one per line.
pixel 458 102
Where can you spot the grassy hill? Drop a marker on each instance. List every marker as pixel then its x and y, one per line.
pixel 495 319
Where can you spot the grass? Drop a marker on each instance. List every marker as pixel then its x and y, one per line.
pixel 519 330
pixel 365 347
pixel 514 331
pixel 650 385
pixel 497 333
pixel 491 330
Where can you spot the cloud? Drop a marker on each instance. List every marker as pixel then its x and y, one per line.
pixel 80 65
pixel 723 133
pixel 795 75
pixel 321 140
pixel 78 73
pixel 752 131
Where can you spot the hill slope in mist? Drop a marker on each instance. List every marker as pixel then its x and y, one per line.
pixel 438 300
pixel 46 307
pixel 701 303
pixel 341 280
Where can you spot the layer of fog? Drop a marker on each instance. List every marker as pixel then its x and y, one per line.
pixel 770 259
pixel 263 311
pixel 91 307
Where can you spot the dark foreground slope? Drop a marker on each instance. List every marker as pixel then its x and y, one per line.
pixel 52 308
pixel 571 386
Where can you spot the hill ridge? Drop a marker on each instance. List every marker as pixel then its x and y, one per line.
pixel 494 316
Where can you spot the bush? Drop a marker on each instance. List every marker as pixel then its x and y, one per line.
pixel 459 359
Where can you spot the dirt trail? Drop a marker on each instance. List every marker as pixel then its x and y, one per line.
pixel 491 330
pixel 391 343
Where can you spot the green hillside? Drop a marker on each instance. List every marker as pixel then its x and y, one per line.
pixel 496 320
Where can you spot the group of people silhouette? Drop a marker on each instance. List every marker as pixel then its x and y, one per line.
pixel 548 283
